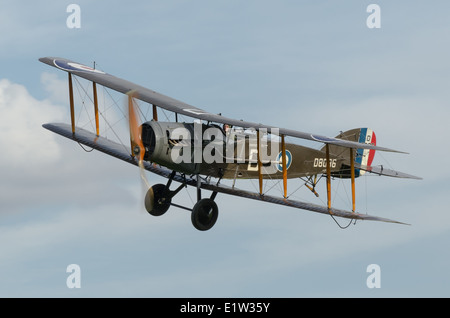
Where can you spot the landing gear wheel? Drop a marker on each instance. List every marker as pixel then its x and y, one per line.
pixel 161 201
pixel 204 214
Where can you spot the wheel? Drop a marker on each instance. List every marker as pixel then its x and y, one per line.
pixel 204 214
pixel 161 200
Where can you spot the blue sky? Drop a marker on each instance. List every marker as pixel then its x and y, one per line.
pixel 313 66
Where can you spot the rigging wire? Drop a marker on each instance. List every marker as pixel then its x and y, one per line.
pixel 87 150
pixel 79 87
pixel 342 227
pixel 113 103
pixel 267 186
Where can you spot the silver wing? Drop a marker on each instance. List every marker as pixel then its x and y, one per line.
pixel 121 152
pixel 176 106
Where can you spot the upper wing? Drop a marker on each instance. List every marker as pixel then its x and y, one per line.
pixel 121 152
pixel 182 108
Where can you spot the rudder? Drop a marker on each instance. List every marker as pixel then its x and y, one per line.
pixel 362 157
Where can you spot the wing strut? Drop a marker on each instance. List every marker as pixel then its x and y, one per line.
pixel 283 162
pixel 328 177
pixel 352 173
pixel 72 111
pixel 72 105
pixel 94 88
pixel 155 113
pixel 259 165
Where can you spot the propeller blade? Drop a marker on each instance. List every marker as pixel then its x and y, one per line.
pixel 137 147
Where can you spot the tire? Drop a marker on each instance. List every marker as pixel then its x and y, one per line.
pixel 161 200
pixel 204 214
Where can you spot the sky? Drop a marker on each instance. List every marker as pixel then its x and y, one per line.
pixel 313 66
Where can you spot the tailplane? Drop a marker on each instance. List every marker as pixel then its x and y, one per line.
pixel 362 157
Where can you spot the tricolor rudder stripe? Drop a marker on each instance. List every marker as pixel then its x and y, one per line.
pixel 365 157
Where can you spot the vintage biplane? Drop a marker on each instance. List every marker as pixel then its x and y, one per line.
pixel 212 148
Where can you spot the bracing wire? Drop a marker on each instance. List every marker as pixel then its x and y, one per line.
pixel 342 227
pixel 85 149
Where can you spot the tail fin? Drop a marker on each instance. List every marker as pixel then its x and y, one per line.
pixel 365 157
pixel 362 157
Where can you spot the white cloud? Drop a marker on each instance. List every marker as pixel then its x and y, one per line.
pixel 82 207
pixel 22 137
pixel 57 89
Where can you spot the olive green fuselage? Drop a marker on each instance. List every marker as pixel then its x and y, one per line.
pixel 209 150
pixel 301 161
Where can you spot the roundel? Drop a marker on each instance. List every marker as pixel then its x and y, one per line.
pixel 288 160
pixel 71 66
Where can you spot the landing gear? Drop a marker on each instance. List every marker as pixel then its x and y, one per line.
pixel 159 199
pixel 311 184
pixel 204 214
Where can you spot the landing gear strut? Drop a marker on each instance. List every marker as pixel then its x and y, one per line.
pixel 204 214
pixel 311 184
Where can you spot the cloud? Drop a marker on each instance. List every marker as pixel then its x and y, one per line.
pixel 39 167
pixel 83 208
pixel 22 136
pixel 56 88
pixel 77 207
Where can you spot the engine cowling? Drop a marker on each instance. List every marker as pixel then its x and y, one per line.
pixel 159 142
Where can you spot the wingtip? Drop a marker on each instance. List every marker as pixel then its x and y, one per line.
pixel 393 150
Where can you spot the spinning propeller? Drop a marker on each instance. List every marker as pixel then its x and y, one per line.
pixel 138 149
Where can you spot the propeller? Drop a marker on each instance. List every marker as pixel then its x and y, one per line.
pixel 138 149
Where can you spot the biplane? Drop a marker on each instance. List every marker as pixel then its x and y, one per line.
pixel 211 148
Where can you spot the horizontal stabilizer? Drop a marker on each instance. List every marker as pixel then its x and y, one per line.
pixel 380 170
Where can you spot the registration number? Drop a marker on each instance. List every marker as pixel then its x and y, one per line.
pixel 322 163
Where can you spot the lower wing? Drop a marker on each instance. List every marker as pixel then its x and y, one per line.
pixel 121 152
